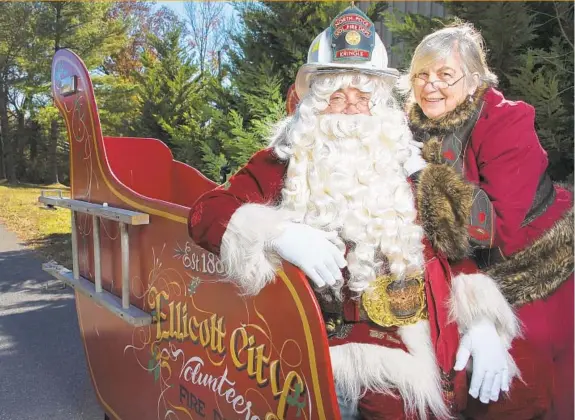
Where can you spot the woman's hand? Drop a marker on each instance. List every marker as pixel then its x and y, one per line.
pixel 490 373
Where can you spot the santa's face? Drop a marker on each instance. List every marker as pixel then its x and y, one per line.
pixel 349 101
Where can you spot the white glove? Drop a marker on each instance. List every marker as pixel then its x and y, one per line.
pixel 490 373
pixel 313 251
pixel 418 144
pixel 415 162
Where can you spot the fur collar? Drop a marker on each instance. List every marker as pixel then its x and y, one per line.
pixel 450 121
pixel 538 270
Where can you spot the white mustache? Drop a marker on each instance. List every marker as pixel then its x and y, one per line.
pixel 344 126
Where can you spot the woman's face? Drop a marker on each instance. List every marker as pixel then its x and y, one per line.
pixel 439 88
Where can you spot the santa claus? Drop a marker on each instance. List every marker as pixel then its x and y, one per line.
pixel 341 193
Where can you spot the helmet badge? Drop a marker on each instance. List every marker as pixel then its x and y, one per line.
pixel 352 36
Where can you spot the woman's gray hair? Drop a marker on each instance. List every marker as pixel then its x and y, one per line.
pixel 462 38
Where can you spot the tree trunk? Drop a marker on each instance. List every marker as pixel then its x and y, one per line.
pixel 9 164
pixel 53 153
pixel 53 144
pixel 20 144
pixel 2 148
pixel 2 171
pixel 35 133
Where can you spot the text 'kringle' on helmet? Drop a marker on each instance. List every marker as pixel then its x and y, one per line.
pixel 350 44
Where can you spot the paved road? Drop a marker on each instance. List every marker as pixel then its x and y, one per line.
pixel 43 372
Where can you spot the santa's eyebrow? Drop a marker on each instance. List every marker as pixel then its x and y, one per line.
pixel 444 68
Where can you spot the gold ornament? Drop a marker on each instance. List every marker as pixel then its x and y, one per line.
pixel 353 38
pixel 394 303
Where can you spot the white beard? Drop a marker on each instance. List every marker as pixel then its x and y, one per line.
pixel 347 175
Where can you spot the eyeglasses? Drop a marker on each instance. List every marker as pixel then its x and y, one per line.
pixel 437 84
pixel 339 103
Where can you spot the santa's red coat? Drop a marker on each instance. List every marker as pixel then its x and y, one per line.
pixel 261 181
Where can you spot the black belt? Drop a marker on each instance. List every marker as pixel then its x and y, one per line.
pixel 544 197
pixel 485 257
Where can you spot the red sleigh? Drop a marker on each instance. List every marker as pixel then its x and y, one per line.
pixel 164 336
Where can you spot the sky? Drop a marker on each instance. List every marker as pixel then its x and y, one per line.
pixel 176 6
pixel 180 10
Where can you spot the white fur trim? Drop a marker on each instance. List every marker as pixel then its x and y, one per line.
pixel 358 368
pixel 476 296
pixel 245 252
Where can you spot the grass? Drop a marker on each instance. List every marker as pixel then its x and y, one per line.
pixel 46 231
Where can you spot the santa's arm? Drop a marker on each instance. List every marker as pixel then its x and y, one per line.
pixel 238 222
pixel 476 296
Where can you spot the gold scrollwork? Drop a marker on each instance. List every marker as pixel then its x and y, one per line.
pixel 396 303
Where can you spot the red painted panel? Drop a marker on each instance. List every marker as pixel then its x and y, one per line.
pixel 188 184
pixel 141 164
pixel 146 166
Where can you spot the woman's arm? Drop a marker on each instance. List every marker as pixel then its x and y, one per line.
pixel 511 162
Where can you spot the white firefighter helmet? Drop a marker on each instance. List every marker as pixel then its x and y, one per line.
pixel 349 44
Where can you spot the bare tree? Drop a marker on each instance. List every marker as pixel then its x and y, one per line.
pixel 210 24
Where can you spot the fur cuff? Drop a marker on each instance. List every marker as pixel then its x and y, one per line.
pixel 539 270
pixel 245 252
pixel 444 203
pixel 359 368
pixel 476 296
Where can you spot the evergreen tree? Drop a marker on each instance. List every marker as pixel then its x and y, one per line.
pixel 117 88
pixel 543 77
pixel 16 33
pixel 178 104
pixel 508 28
pixel 140 20
pixel 267 107
pixel 86 29
pixel 267 51
pixel 167 87
pixel 408 30
pixel 277 35
pixel 197 139
pixel 30 33
pixel 118 105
